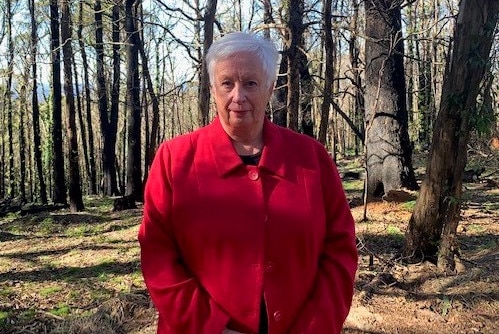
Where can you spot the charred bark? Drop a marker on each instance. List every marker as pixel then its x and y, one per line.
pixel 59 184
pixel 432 227
pixel 134 179
pixel 75 194
pixel 389 151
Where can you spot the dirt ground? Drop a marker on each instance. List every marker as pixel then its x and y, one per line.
pixel 79 273
pixel 395 298
pixel 392 297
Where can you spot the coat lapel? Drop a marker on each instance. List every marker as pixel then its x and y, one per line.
pixel 222 150
pixel 273 156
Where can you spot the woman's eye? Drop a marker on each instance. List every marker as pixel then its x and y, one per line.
pixel 252 83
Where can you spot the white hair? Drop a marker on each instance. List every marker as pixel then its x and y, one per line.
pixel 240 42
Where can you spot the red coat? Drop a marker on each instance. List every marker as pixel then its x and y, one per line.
pixel 216 234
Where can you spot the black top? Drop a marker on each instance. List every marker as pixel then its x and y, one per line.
pixel 253 160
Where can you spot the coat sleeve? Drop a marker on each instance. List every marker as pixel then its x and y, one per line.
pixel 331 297
pixel 183 306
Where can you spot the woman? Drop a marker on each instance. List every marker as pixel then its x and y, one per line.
pixel 246 227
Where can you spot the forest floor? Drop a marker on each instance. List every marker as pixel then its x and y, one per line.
pixel 79 273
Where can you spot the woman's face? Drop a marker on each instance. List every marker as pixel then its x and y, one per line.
pixel 241 93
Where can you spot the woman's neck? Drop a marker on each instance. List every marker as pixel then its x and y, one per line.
pixel 248 147
pixel 246 141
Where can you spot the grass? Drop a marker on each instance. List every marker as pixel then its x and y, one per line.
pixel 62 310
pixel 83 230
pixel 11 216
pixel 136 277
pixel 96 204
pixel 4 319
pixel 101 295
pixel 394 231
pixel 50 290
pixel 353 185
pixel 6 291
pixel 28 314
pixel 47 226
pixel 67 265
pixel 492 206
pixel 3 316
pixel 475 228
pixel 446 305
pixel 409 206
pixel 103 277
pixel 489 244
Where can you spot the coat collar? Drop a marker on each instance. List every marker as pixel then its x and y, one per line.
pixel 273 155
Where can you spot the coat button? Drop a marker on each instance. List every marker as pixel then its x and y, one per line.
pixel 253 175
pixel 277 315
pixel 269 267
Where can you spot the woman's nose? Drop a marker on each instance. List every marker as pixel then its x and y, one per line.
pixel 239 94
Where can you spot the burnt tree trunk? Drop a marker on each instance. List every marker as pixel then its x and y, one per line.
pixel 83 128
pixel 91 168
pixel 79 105
pixel 8 99
pixel 267 17
pixel 37 149
pixel 295 25
pixel 133 165
pixel 307 92
pixel 115 98
pixel 109 186
pixel 153 137
pixel 59 185
pixel 280 97
pixel 432 227
pixel 388 149
pixel 22 144
pixel 328 72
pixel 75 195
pixel 354 52
pixel 204 87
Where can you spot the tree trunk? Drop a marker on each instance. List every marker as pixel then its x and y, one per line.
pixel 295 25
pixel 389 152
pixel 204 86
pixel 359 105
pixel 267 18
pixel 2 156
pixel 8 99
pixel 425 98
pixel 434 221
pixel 279 111
pixel 111 178
pixel 328 72
pixel 92 170
pixel 153 136
pixel 75 195
pixel 81 122
pixel 34 106
pixel 108 149
pixel 307 88
pixel 134 179
pixel 22 144
pixel 59 186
